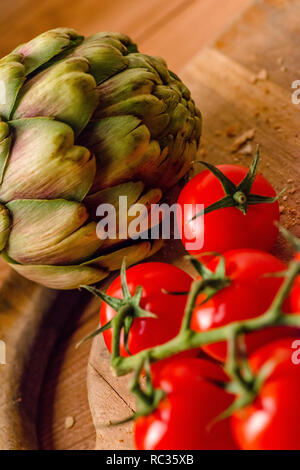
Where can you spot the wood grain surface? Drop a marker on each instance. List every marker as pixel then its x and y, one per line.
pixel 30 321
pixel 224 80
pixel 177 30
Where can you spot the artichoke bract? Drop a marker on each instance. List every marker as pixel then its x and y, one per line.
pixel 83 121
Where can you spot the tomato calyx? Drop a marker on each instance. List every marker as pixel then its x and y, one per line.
pixel 126 308
pixel 147 398
pixel 244 384
pixel 210 282
pixel 238 196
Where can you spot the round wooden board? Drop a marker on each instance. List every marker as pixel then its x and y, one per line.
pixel 222 81
pixel 109 401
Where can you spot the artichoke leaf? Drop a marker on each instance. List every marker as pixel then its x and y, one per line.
pixel 50 232
pixel 44 163
pixel 59 277
pixel 148 108
pixel 131 190
pixel 66 91
pixel 170 97
pixel 134 254
pixel 91 272
pixel 178 120
pixel 5 145
pixel 12 77
pixel 155 65
pixel 152 196
pixel 105 60
pixel 46 46
pixel 174 168
pixel 142 61
pixel 5 225
pixel 130 83
pixel 119 144
pixel 119 40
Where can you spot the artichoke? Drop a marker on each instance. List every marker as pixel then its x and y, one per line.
pixel 83 121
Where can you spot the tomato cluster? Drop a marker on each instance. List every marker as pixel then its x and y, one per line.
pixel 195 383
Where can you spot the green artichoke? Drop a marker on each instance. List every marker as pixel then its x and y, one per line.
pixel 83 121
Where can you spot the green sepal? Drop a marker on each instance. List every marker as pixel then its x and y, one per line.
pixel 212 281
pixel 93 334
pixel 127 325
pixel 246 397
pixel 111 301
pixel 228 185
pixel 125 289
pixel 258 199
pixel 201 269
pixel 227 201
pixel 129 302
pixel 238 196
pixel 247 183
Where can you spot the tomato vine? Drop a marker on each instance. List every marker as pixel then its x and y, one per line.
pixel 244 384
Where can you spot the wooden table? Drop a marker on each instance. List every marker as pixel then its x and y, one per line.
pixel 177 30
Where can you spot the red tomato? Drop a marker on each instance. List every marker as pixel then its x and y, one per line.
pixel 149 332
pixel 272 421
pixel 156 367
pixel 184 418
pixel 228 228
pixel 285 356
pixel 249 295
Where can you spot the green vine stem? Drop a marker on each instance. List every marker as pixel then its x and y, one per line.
pixel 189 339
pixel 243 384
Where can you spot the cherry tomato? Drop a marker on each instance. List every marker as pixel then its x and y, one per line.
pixel 149 332
pixel 284 354
pixel 272 421
pixel 156 367
pixel 249 295
pixel 227 228
pixel 184 418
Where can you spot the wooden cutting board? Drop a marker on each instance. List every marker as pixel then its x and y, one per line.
pixel 241 82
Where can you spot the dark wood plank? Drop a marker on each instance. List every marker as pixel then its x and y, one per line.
pixel 131 17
